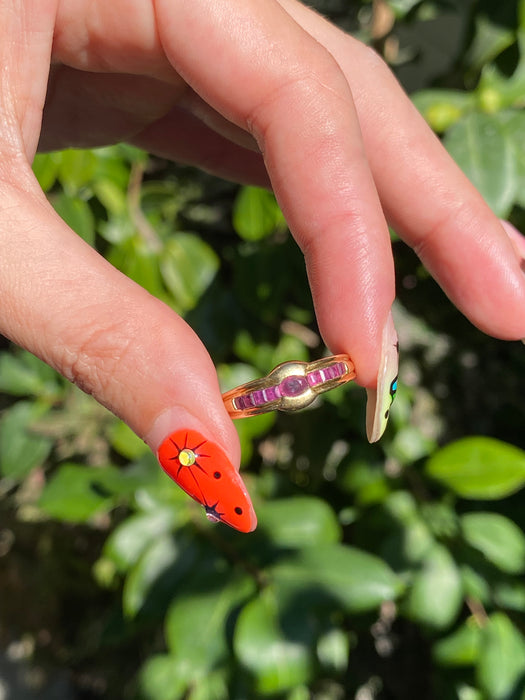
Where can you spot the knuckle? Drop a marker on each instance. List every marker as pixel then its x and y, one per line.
pixel 92 364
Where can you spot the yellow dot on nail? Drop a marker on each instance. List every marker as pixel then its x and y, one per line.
pixel 187 457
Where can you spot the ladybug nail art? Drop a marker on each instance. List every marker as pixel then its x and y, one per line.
pixel 201 468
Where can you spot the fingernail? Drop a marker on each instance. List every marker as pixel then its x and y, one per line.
pixel 202 469
pixel 518 241
pixel 380 399
pixel 517 238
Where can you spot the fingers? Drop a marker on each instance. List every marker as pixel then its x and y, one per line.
pixel 425 196
pixel 285 89
pixel 65 303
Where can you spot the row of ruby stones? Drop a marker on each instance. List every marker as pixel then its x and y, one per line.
pixel 294 385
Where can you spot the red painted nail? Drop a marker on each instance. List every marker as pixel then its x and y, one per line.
pixel 201 468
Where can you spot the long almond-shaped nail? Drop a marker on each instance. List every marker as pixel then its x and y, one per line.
pixel 518 241
pixel 380 399
pixel 200 467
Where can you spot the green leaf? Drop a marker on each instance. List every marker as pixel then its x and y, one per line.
pixel 76 169
pixel 479 468
pixel 499 539
pixel 442 108
pixel 278 662
pixel 490 39
pixel 461 648
pixel 22 449
pixel 355 579
pixel 113 197
pixel 436 594
pixel 162 565
pixel 513 124
pixel 509 594
pixel 333 648
pixel 163 677
pixel 196 621
pixel 45 168
pixel 73 494
pixel 126 442
pixel 188 266
pixel 256 214
pixel 130 539
pixel 299 522
pixel 134 258
pixel 213 686
pixel 501 664
pixel 484 152
pixel 77 214
pixel 24 374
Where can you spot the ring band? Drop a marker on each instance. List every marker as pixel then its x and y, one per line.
pixel 289 387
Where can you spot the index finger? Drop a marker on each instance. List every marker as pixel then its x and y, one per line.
pixel 264 72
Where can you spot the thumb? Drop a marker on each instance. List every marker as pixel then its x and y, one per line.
pixel 64 302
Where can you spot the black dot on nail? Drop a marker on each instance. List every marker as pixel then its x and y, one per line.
pixel 238 510
pixel 217 475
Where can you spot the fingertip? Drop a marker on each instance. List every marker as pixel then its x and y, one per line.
pixel 380 397
pixel 201 467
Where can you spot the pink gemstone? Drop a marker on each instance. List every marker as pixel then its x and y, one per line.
pixel 272 393
pixel 314 377
pixel 258 398
pixel 293 386
pixel 246 401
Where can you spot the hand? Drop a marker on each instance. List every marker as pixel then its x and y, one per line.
pixel 259 91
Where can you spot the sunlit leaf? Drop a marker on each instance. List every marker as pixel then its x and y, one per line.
pixel 333 648
pixel 501 662
pixel 130 539
pixel 188 266
pixel 76 169
pixel 73 494
pixel 163 677
pixel 45 168
pixel 138 261
pixel 484 152
pixel 24 374
pixel 479 468
pixel 256 214
pixel 435 597
pixel 461 647
pixel 277 661
pixel 513 124
pixel 21 448
pixel 299 522
pixel 162 565
pixel 498 538
pixel 442 108
pixel 196 621
pixel 126 442
pixel 77 214
pixel 112 197
pixel 355 579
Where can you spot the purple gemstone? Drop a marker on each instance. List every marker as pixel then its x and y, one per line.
pixel 272 393
pixel 258 398
pixel 246 401
pixel 293 386
pixel 314 377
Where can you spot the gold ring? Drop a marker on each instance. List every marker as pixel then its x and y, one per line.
pixel 289 387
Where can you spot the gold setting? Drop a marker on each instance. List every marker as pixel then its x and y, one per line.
pixel 289 387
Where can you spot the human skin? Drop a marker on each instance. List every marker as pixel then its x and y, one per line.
pixel 259 91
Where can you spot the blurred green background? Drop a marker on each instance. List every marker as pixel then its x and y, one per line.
pixel 392 571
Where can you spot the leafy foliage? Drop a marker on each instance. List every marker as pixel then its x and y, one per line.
pixel 387 571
